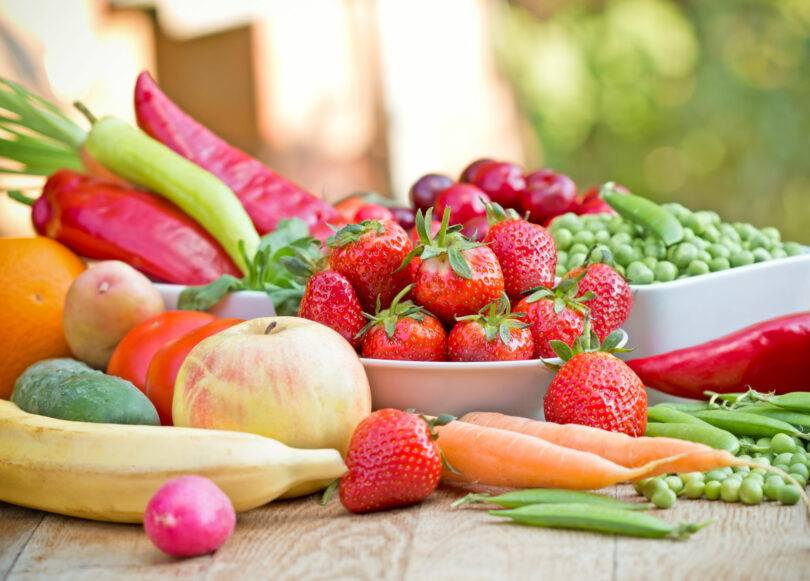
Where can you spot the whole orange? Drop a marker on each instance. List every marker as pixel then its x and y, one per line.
pixel 35 274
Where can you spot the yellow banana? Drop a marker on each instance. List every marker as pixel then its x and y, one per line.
pixel 109 471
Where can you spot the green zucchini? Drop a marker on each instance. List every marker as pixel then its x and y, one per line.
pixel 70 390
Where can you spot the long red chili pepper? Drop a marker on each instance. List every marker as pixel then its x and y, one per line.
pixel 267 196
pixel 773 355
pixel 110 221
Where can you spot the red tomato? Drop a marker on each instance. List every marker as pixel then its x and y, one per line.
pixel 131 357
pixel 166 363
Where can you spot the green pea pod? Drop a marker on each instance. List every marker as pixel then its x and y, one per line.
pixel 518 498
pixel 796 419
pixel 707 434
pixel 671 415
pixel 602 519
pixel 646 213
pixel 689 407
pixel 130 153
pixel 796 401
pixel 748 424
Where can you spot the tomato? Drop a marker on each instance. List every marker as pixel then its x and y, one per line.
pixel 166 363
pixel 131 357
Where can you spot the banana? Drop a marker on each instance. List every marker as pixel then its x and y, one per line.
pixel 109 472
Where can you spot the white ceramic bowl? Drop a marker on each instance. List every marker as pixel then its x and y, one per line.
pixel 239 304
pixel 511 387
pixel 690 311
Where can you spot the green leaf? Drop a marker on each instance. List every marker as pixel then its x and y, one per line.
pixel 505 333
pixel 562 349
pixel 202 298
pixel 612 341
pixel 458 263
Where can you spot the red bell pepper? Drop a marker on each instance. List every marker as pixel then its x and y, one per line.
pixel 267 196
pixel 109 221
pixel 773 355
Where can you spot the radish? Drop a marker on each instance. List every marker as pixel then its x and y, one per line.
pixel 189 516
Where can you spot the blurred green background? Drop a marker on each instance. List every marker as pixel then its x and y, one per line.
pixel 706 103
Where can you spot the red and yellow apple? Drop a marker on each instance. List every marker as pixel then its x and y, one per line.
pixel 286 378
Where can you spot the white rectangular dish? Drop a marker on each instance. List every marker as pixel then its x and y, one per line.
pixel 239 304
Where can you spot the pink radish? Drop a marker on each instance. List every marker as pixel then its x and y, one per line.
pixel 189 516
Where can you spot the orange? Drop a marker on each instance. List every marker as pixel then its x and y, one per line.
pixel 35 274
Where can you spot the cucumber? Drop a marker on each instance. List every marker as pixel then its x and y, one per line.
pixel 70 390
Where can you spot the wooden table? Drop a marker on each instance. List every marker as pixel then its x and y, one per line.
pixel 302 540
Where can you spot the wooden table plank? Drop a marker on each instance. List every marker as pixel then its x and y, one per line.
pixel 303 540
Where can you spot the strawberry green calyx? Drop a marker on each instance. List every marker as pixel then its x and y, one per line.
pixel 498 320
pixel 496 213
pixel 353 232
pixel 564 295
pixel 588 342
pixel 448 240
pixel 392 315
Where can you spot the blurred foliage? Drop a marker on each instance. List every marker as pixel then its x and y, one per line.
pixel 705 103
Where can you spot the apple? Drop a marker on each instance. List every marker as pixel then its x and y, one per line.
pixel 286 378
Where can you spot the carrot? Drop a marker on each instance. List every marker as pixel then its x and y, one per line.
pixel 496 457
pixel 618 448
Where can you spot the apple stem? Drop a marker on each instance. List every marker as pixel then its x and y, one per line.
pixel 270 327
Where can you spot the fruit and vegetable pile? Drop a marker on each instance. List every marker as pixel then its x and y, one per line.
pixel 114 408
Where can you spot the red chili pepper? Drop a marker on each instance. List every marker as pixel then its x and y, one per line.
pixel 109 221
pixel 266 196
pixel 773 355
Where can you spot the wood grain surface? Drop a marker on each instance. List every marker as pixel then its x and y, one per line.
pixel 302 540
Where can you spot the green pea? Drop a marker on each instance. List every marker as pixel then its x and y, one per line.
pixel 665 271
pixel 711 233
pixel 563 238
pixel 575 260
pixel 760 471
pixel 798 458
pixel 771 233
pixel 751 491
pixel 730 490
pixel 778 252
pixel 716 474
pixel 650 262
pixel 784 458
pixel 742 258
pixel 678 210
pixel 773 485
pixel 639 273
pixel 799 477
pixel 688 234
pixel 624 254
pixel 718 251
pixel 694 489
pixel 741 469
pixel 675 483
pixel 690 476
pixel 719 263
pixel 653 485
pixel 600 253
pixel 735 476
pixel 655 248
pixel 782 467
pixel 712 489
pixel 761 255
pixel 569 221
pixel 697 267
pixel 638 485
pixel 585 237
pixel 799 468
pixel 782 443
pixel 789 494
pixel 602 236
pixel 755 476
pixel 577 248
pixel 614 223
pixel 682 254
pixel 764 442
pixel 792 248
pixel 664 498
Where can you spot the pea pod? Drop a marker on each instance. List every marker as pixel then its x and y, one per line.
pixel 518 498
pixel 748 424
pixel 689 407
pixel 797 419
pixel 796 401
pixel 708 434
pixel 603 519
pixel 131 154
pixel 645 213
pixel 671 415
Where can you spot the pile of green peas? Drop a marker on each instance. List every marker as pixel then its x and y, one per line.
pixel 740 483
pixel 708 245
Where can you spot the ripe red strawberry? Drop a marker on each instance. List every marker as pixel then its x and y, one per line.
pixel 330 300
pixel 393 460
pixel 456 277
pixel 369 255
pixel 526 252
pixel 597 389
pixel 494 334
pixel 554 315
pixel 612 296
pixel 404 331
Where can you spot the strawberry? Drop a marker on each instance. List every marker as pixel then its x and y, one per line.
pixel 404 331
pixel 329 299
pixel 612 296
pixel 554 315
pixel 526 252
pixel 595 388
pixel 393 460
pixel 369 255
pixel 456 277
pixel 494 334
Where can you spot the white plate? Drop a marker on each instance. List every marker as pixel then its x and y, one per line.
pixel 686 312
pixel 511 387
pixel 240 304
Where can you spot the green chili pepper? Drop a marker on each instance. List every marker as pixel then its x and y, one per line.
pixel 518 498
pixel 703 434
pixel 133 155
pixel 603 519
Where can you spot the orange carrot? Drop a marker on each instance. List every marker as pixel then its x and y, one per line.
pixel 496 457
pixel 618 448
